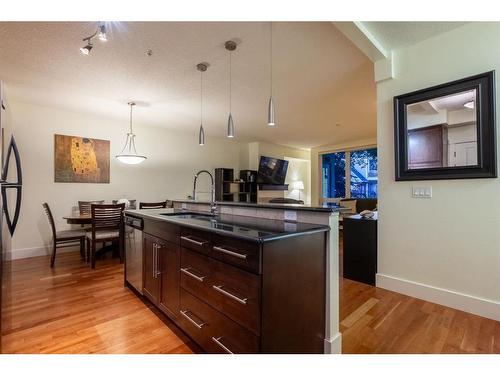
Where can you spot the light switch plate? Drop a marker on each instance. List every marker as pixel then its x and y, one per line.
pixel 421 191
pixel 290 215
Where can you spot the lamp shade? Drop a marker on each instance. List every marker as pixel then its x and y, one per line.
pixel 298 185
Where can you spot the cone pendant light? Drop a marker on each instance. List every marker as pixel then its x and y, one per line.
pixel 230 46
pixel 202 67
pixel 270 109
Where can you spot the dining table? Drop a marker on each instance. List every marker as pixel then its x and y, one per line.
pixel 78 219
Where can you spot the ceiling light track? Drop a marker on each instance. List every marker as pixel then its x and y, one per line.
pixel 100 33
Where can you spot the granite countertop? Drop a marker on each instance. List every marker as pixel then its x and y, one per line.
pixel 243 227
pixel 326 207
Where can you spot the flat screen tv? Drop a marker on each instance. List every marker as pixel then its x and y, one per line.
pixel 272 171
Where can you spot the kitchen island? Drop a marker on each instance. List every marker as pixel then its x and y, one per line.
pixel 239 283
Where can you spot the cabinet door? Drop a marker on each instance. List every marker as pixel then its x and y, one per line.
pixel 151 279
pixel 170 278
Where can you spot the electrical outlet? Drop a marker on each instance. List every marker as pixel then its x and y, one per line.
pixel 290 215
pixel 421 191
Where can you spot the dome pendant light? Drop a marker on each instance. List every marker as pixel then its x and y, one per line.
pixel 270 108
pixel 202 67
pixel 129 154
pixel 230 46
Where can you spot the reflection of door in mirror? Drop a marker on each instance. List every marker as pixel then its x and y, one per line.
pixel 442 132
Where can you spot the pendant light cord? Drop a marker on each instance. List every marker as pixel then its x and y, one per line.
pixel 271 54
pixel 230 82
pixel 201 98
pixel 131 119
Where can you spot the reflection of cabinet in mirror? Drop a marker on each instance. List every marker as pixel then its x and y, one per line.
pixel 425 147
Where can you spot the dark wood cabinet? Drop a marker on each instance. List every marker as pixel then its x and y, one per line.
pixel 151 280
pixel 237 296
pixel 169 279
pixel 360 248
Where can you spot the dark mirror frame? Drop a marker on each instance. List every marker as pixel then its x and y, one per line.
pixel 486 128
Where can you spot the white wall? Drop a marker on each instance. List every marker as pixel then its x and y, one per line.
pixel 298 170
pixel 299 167
pixel 445 249
pixel 173 158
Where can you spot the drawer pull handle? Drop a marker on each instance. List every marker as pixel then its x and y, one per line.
pixel 187 272
pixel 199 243
pixel 224 347
pixel 185 315
pixel 229 252
pixel 243 301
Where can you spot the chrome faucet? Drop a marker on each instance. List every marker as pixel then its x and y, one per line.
pixel 213 204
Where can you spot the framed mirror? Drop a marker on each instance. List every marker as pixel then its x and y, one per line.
pixel 447 131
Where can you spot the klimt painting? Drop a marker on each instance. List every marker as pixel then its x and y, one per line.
pixel 80 159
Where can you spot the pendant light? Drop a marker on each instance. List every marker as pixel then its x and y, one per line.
pixel 129 154
pixel 270 108
pixel 202 67
pixel 230 46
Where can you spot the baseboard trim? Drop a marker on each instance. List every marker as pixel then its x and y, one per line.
pixel 471 304
pixel 334 345
pixel 38 251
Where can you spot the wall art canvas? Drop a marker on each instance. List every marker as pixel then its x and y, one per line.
pixel 81 159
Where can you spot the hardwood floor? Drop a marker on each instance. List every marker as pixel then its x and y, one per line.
pixel 71 309
pixel 375 320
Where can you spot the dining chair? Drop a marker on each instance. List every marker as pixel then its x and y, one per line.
pixel 84 206
pixel 145 205
pixel 107 226
pixel 63 238
pixel 132 203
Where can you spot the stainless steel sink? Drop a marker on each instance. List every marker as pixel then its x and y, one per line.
pixel 188 214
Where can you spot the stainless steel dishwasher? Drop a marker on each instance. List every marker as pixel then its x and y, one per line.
pixel 133 252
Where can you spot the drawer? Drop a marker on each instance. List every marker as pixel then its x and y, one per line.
pixel 244 254
pixel 236 293
pixel 195 273
pixel 167 231
pixel 213 331
pixel 232 291
pixel 196 240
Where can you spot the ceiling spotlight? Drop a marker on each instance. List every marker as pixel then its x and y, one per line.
pixel 86 50
pixel 102 33
pixel 99 33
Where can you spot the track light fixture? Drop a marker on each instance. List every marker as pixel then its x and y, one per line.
pixel 100 33
pixel 86 50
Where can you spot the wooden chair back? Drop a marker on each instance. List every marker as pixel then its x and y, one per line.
pixel 107 216
pixel 84 206
pixel 48 212
pixel 145 205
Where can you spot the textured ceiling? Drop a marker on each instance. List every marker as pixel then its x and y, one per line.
pixel 324 90
pixel 393 35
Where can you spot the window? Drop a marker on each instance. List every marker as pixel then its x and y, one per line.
pixel 350 174
pixel 334 175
